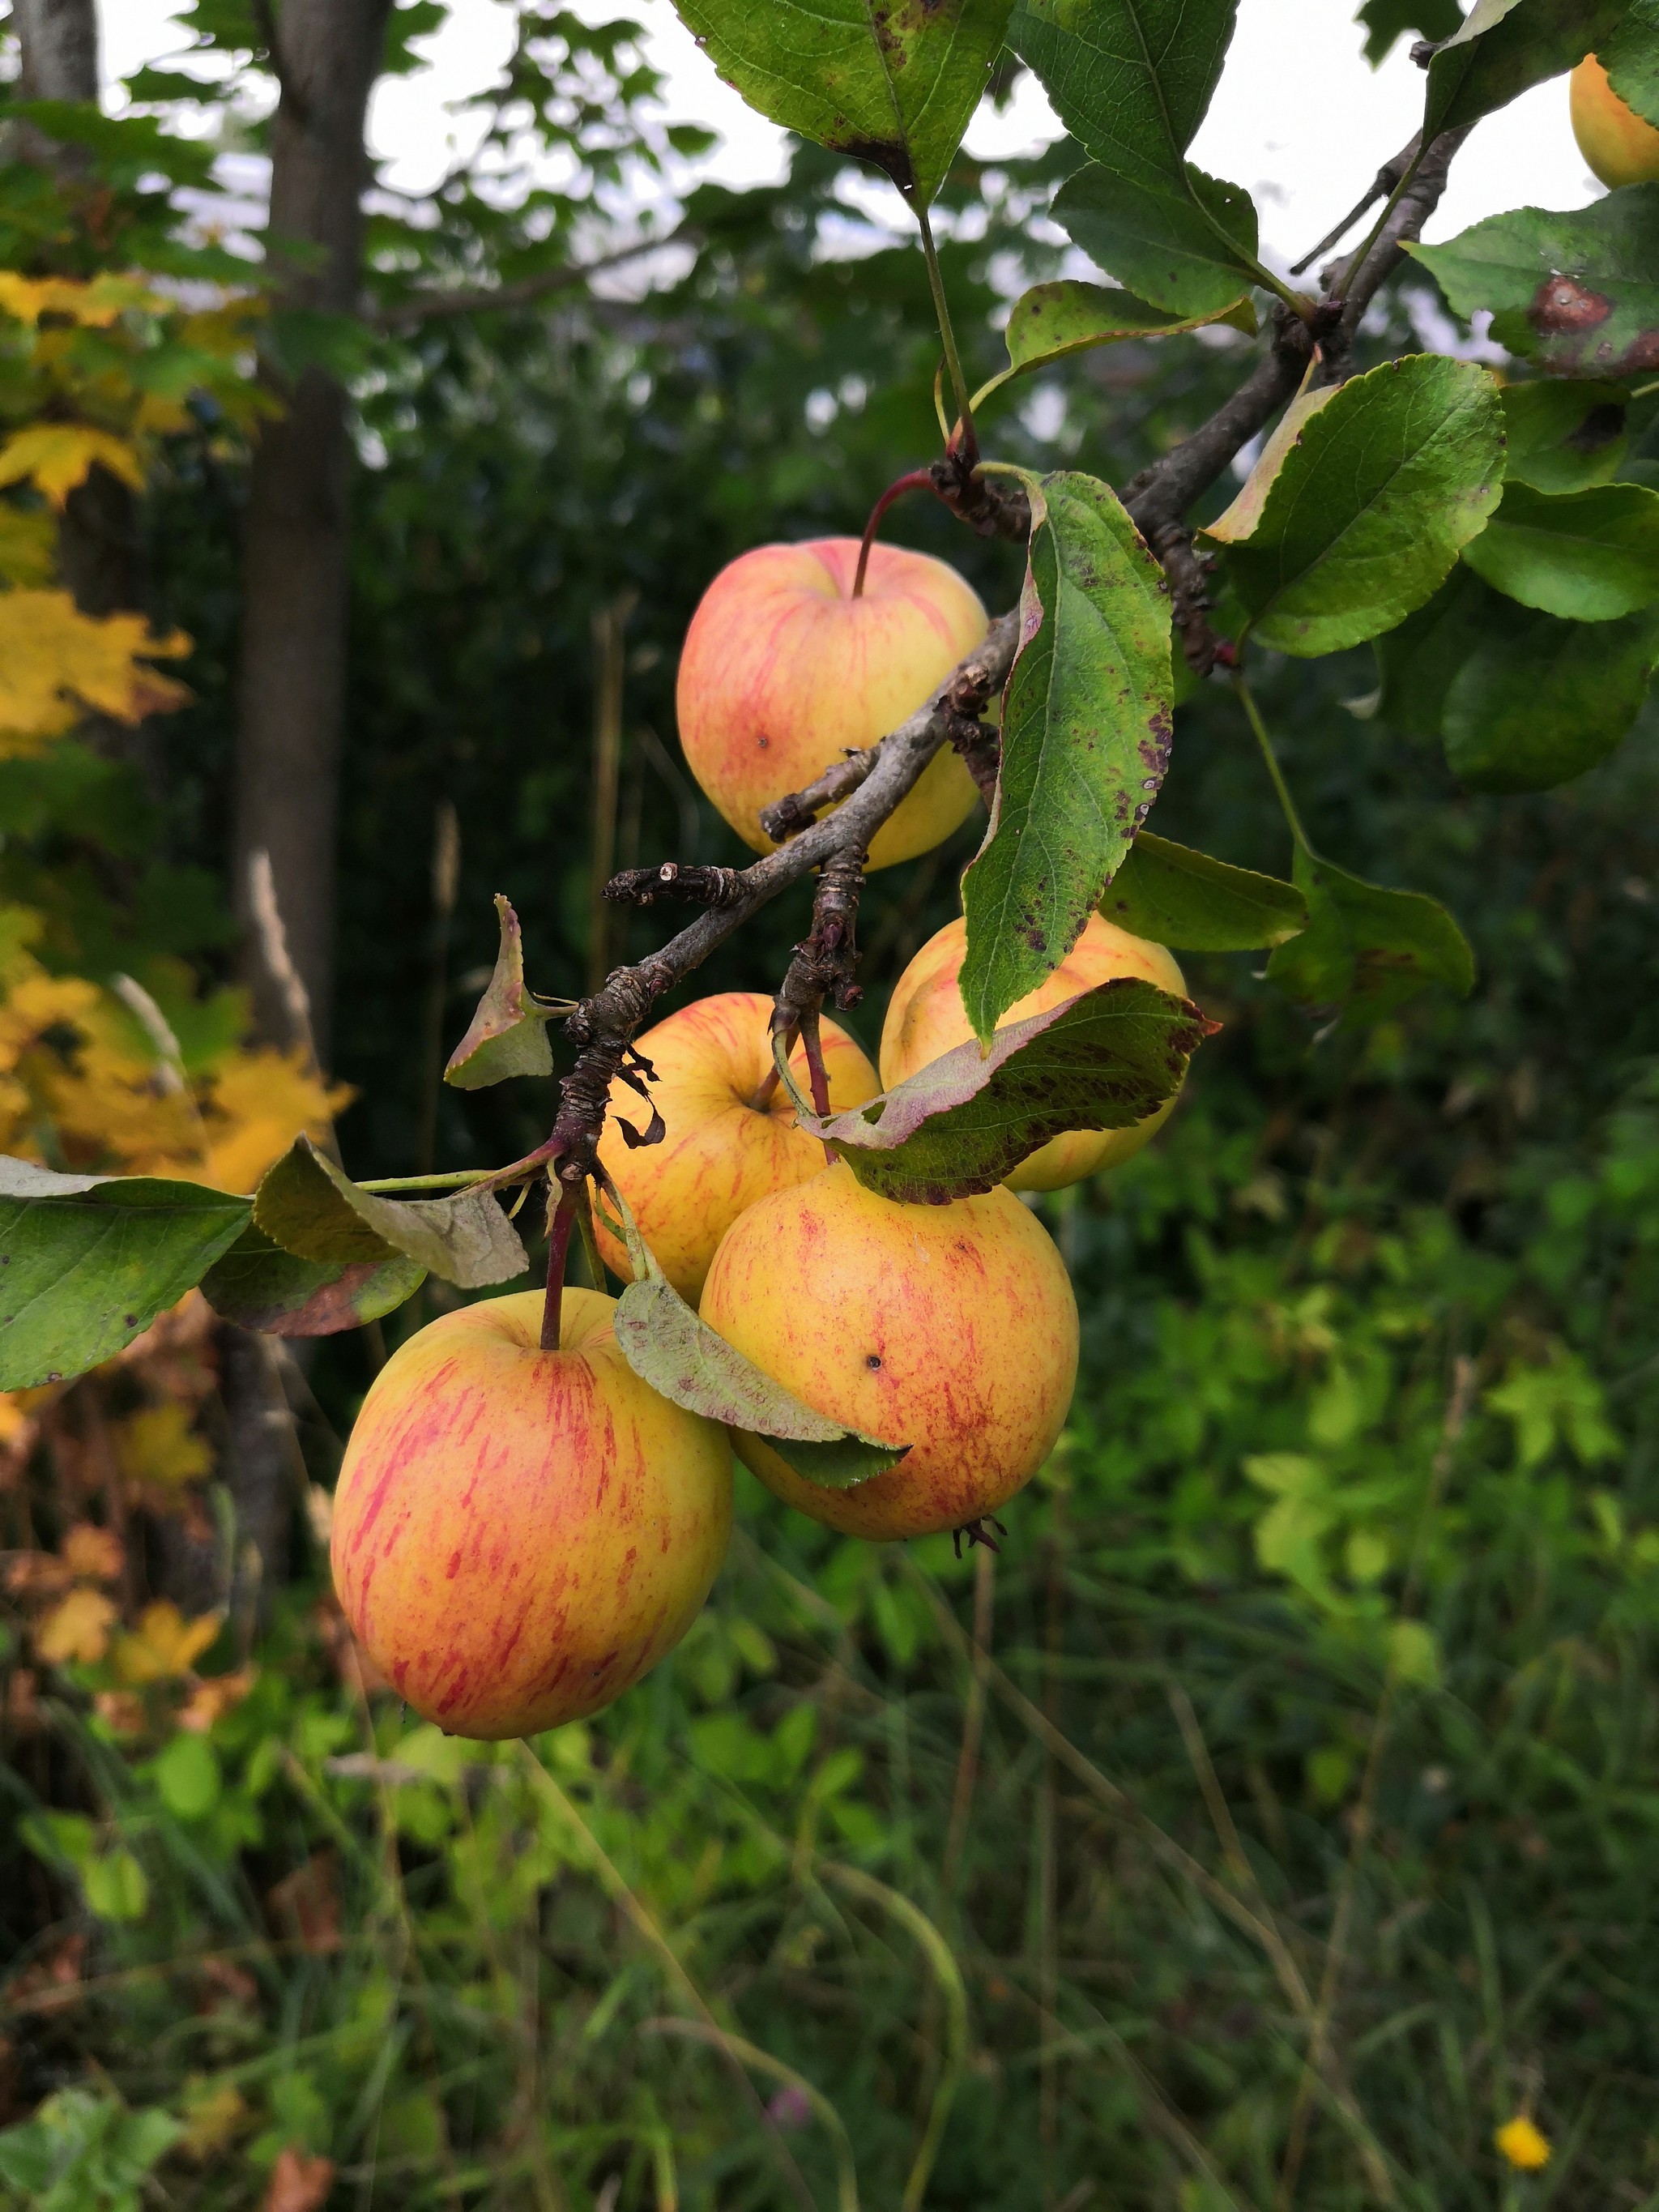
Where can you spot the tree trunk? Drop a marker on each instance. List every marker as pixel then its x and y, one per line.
pixel 59 49
pixel 297 543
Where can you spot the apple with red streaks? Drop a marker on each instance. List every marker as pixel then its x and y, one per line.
pixel 784 672
pixel 520 1535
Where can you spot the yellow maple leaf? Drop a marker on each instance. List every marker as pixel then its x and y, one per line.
pixel 163 1644
pixel 28 541
pixel 78 1628
pixel 91 1554
pixel 53 656
pixel 259 1102
pixel 56 457
pixel 97 302
pixel 157 1445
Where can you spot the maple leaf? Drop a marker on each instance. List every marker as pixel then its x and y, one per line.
pixel 77 1629
pixel 96 302
pixel 259 1102
pixel 158 1446
pixel 56 457
pixel 163 1644
pixel 53 656
pixel 91 1554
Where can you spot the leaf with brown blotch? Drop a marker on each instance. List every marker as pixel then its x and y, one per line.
pixel 508 1036
pixel 1103 1061
pixel 668 1346
pixel 259 1286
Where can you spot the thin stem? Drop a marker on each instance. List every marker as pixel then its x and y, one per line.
pixel 1252 715
pixel 1358 261
pixel 948 337
pixel 558 1247
pixel 916 480
pixel 762 1100
pixel 590 1242
pixel 455 1179
pixel 815 1067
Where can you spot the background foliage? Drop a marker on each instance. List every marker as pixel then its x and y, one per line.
pixel 1321 1673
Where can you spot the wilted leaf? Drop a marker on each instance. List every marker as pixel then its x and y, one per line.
pixel 1367 948
pixel 1239 522
pixel 1085 739
pixel 1375 497
pixel 1052 321
pixel 508 1035
pixel 669 1347
pixel 259 1286
pixel 1585 555
pixel 91 1553
pixel 88 1262
pixel 56 457
pixel 1103 1061
pixel 1192 904
pixel 55 661
pixel 312 1209
pixel 895 85
pixel 1579 293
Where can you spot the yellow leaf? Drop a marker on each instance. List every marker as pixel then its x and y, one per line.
pixel 97 303
pixel 28 543
pixel 52 655
pixel 163 1644
pixel 58 456
pixel 15 1422
pixel 260 1102
pixel 78 1628
pixel 158 1445
pixel 213 2117
pixel 211 1700
pixel 91 1554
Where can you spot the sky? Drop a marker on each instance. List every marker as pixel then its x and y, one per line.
pixel 1300 121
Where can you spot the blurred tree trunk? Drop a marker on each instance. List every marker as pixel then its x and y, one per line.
pixel 297 543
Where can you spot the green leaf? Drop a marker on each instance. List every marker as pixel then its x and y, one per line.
pixel 1373 500
pixel 1367 949
pixel 312 1209
pixel 1131 80
pixel 1577 293
pixel 680 1356
pixel 892 81
pixel 1103 1061
pixel 1185 900
pixel 1187 244
pixel 508 1036
pixel 1522 701
pixel 1631 59
pixel 1085 739
pixel 116 1886
pixel 187 1776
pixel 1053 321
pixel 1503 48
pixel 1384 20
pixel 88 1262
pixel 259 1286
pixel 1585 555
pixel 1563 435
pixel 1538 702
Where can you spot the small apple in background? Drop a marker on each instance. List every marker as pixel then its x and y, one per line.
pixel 721 1154
pixel 520 1535
pixel 925 1017
pixel 784 671
pixel 1619 147
pixel 952 1328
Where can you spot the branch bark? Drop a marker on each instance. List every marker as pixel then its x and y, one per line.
pixel 485 299
pixel 296 544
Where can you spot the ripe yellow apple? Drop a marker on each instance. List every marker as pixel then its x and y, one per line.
pixel 520 1534
pixel 952 1328
pixel 784 671
pixel 720 1154
pixel 925 1017
pixel 1619 147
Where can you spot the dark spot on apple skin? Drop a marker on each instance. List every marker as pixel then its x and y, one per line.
pixel 872 1359
pixel 1562 305
pixel 763 742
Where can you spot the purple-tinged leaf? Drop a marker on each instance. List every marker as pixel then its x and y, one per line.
pixel 508 1033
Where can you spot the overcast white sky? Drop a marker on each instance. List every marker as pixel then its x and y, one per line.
pixel 1300 119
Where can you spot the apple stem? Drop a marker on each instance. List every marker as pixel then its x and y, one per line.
pixel 558 1249
pixel 915 480
pixel 768 1083
pixel 815 1068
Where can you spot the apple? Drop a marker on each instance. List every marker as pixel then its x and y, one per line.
pixel 952 1328
pixel 784 672
pixel 721 1154
pixel 1619 147
pixel 925 1017
pixel 520 1534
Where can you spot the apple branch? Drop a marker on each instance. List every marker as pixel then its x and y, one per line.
pixel 690 886
pixel 603 1027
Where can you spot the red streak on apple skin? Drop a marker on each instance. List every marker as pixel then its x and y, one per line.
pixel 492 1516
